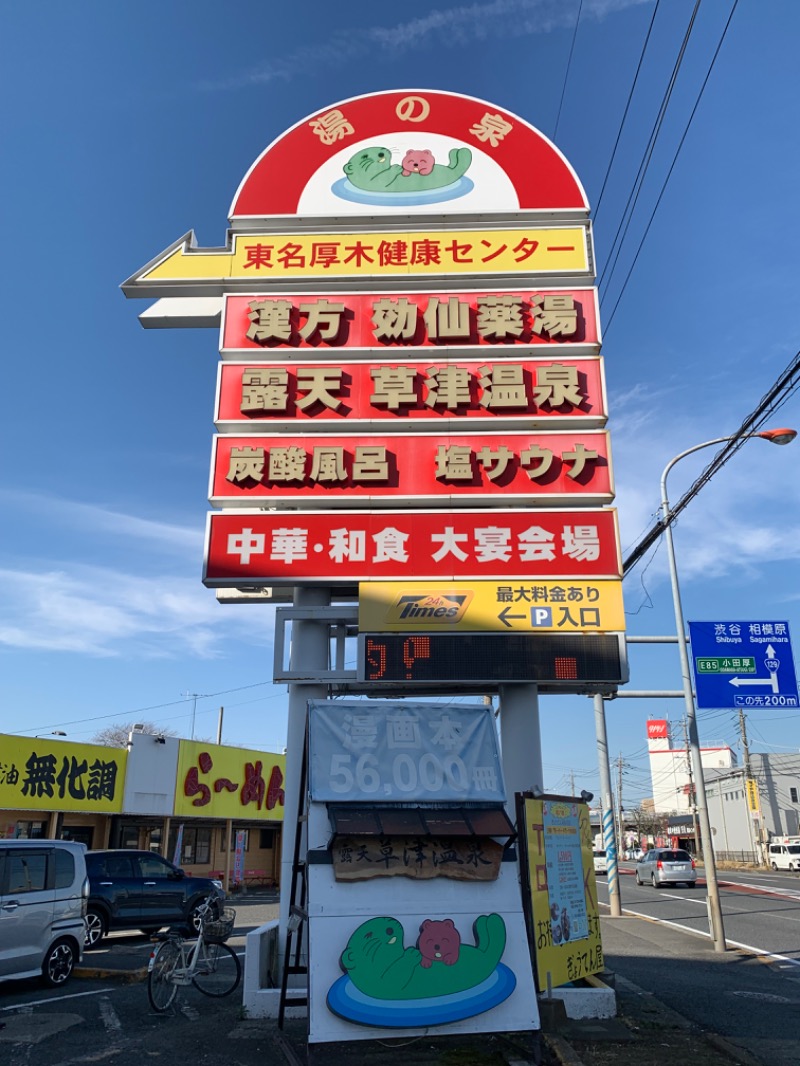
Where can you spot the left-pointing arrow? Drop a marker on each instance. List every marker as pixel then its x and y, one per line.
pixel 183 269
pixel 504 616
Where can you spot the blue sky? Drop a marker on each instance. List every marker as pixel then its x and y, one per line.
pixel 125 126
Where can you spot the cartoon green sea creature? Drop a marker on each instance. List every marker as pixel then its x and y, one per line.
pixel 380 966
pixel 372 169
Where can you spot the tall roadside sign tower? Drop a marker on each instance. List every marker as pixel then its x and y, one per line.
pixel 411 403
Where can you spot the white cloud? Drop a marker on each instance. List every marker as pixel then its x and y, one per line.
pixel 97 520
pixel 447 26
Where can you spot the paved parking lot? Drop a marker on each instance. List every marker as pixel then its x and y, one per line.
pixel 105 1015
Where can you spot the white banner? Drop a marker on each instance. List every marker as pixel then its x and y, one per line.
pixel 399 751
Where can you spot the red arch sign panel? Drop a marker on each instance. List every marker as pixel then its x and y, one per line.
pixel 402 149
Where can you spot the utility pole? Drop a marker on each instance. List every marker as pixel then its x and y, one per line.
pixel 621 829
pixel 194 697
pixel 748 776
pixel 692 796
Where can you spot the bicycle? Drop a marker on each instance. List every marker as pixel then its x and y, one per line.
pixel 207 962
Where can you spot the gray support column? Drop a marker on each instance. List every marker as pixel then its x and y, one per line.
pixel 520 739
pixel 607 807
pixel 309 652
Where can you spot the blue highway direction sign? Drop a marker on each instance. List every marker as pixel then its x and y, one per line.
pixel 743 664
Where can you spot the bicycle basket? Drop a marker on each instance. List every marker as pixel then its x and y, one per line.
pixel 218 931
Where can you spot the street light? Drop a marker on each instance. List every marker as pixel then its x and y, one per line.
pixel 775 436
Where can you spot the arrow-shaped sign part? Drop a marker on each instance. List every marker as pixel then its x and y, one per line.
pixel 772 681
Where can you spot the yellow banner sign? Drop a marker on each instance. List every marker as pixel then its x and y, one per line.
pixel 215 781
pixel 491 606
pixel 753 801
pixel 269 256
pixel 41 774
pixel 565 916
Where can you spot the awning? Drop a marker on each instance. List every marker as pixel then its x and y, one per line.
pixel 417 821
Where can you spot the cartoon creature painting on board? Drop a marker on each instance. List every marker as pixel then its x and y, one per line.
pixel 439 980
pixel 372 177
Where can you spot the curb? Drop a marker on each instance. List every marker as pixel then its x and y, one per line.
pixel 563 1051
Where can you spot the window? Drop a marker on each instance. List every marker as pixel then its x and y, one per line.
pixel 129 837
pixel 196 845
pixel 266 838
pixel 65 868
pixel 26 873
pixel 793 795
pixel 30 830
pixel 153 866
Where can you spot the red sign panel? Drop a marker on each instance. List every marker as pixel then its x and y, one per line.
pixel 656 728
pixel 411 468
pixel 402 391
pixel 314 323
pixel 248 548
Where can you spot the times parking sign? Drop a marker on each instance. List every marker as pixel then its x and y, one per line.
pixel 743 664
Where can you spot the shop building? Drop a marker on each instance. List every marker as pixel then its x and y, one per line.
pixel 186 800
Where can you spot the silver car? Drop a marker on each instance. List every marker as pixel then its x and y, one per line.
pixel 43 893
pixel 666 866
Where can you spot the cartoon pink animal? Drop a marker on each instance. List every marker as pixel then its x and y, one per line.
pixel 438 942
pixel 419 162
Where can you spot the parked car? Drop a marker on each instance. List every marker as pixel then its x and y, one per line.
pixel 600 864
pixel 784 856
pixel 666 866
pixel 43 894
pixel 140 890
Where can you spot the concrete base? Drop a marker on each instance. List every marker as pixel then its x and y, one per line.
pixel 596 1000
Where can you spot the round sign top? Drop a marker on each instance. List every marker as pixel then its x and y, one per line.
pixel 413 151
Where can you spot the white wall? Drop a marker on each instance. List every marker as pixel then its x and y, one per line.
pixel 150 778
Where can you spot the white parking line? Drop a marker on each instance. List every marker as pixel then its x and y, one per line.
pixel 110 1017
pixel 24 1007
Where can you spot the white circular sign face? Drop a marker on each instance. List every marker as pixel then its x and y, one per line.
pixel 475 184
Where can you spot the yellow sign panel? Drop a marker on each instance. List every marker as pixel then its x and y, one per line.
pixel 262 256
pixel 752 795
pixel 577 606
pixel 40 774
pixel 565 916
pixel 215 781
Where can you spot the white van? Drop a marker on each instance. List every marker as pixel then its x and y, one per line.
pixel 784 854
pixel 43 894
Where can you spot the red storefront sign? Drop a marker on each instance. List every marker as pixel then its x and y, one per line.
pixel 657 728
pixel 311 324
pixel 401 391
pixel 246 548
pixel 410 469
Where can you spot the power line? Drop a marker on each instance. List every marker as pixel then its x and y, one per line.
pixel 625 113
pixel 566 72
pixel 610 319
pixel 644 164
pixel 771 402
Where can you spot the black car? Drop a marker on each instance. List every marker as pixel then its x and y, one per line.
pixel 140 890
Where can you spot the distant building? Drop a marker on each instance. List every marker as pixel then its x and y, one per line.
pixel 744 818
pixel 670 770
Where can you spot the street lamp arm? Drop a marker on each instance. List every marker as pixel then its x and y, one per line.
pixel 677 459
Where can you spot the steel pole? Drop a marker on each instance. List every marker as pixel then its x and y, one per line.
pixel 717 928
pixel 607 808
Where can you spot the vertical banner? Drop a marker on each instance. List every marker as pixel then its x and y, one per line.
pixel 563 908
pixel 176 857
pixel 238 858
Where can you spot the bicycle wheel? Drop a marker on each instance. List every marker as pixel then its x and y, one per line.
pixel 161 989
pixel 218 970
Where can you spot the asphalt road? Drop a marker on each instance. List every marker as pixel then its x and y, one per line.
pixel 761 911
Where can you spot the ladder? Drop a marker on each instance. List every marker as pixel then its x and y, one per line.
pixel 298 907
